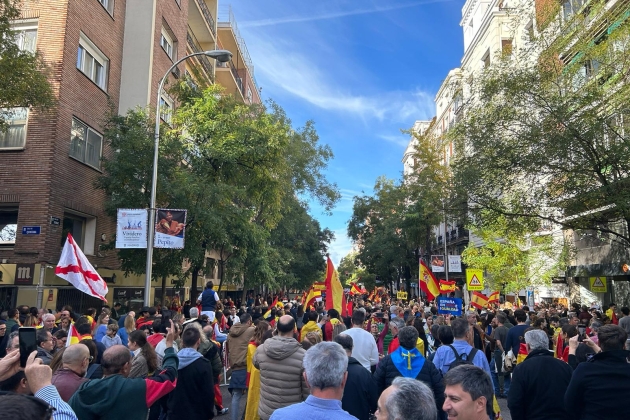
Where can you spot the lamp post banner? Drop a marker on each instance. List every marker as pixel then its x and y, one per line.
pixel 131 228
pixel 437 263
pixel 170 228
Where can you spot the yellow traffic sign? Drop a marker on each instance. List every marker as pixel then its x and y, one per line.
pixel 474 279
pixel 401 295
pixel 598 284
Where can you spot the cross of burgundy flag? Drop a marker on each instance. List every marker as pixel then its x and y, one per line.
pixel 75 268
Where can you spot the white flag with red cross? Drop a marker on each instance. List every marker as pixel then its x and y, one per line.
pixel 75 268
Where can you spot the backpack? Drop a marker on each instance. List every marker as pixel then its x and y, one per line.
pixel 459 358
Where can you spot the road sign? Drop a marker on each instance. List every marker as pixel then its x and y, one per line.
pixel 401 295
pixel 474 280
pixel 598 284
pixel 31 230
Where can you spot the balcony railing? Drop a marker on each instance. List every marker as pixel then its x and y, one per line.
pixel 208 16
pixel 203 60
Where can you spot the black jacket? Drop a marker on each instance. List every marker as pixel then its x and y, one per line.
pixel 537 389
pixel 386 372
pixel 359 395
pixel 600 387
pixel 193 397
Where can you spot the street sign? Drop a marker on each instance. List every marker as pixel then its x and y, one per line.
pixel 598 284
pixel 55 221
pixel 401 295
pixel 31 230
pixel 474 280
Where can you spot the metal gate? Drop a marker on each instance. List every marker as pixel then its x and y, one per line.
pixel 8 296
pixel 78 300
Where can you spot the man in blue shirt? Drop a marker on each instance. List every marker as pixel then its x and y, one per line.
pixel 325 372
pixel 516 334
pixel 444 355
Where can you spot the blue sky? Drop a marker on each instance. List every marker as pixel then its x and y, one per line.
pixel 362 70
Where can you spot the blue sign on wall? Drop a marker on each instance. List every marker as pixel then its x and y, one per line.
pixel 31 230
pixel 451 306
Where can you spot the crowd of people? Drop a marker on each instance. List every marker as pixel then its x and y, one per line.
pixel 386 360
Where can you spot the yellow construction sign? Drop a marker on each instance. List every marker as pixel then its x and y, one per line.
pixel 598 284
pixel 474 280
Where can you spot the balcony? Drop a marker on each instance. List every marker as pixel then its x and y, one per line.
pixel 231 39
pixel 202 23
pixel 207 15
pixel 231 80
pixel 205 63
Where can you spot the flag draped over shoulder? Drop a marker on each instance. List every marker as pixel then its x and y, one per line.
pixel 75 268
pixel 494 297
pixel 428 283
pixel 447 286
pixel 335 298
pixel 479 300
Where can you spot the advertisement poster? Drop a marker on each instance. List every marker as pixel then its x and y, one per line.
pixel 451 306
pixel 454 264
pixel 437 263
pixel 170 228
pixel 131 228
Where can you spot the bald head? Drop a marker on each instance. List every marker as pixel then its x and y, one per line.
pixel 116 359
pixel 286 325
pixel 76 358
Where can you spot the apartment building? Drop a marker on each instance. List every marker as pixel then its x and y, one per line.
pixel 105 56
pixel 409 159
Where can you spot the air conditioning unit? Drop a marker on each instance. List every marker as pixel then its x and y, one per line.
pixel 222 65
pixel 176 72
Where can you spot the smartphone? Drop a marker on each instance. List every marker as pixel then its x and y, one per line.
pixel 28 343
pixel 379 314
pixel 581 332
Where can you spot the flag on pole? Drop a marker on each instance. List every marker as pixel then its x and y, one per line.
pixel 311 296
pixel 73 336
pixel 75 268
pixel 354 289
pixel 319 285
pixel 479 300
pixel 334 291
pixel 447 286
pixel 276 304
pixel 494 297
pixel 428 283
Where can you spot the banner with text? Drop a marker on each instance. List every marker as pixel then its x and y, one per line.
pixel 437 263
pixel 131 228
pixel 454 263
pixel 170 228
pixel 451 306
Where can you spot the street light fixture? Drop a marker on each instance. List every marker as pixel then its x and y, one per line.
pixel 221 56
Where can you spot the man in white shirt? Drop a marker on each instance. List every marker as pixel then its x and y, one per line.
pixel 208 300
pixel 364 350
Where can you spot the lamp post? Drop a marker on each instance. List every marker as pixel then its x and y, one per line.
pixel 222 56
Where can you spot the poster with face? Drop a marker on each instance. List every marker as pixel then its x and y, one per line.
pixel 170 228
pixel 437 263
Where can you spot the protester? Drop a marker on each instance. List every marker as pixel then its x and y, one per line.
pixel 67 379
pixel 237 342
pixel 111 337
pixel 279 359
pixel 468 393
pixel 144 359
pixel 360 393
pixel 598 388
pixel 45 346
pixel 406 398
pixel 311 325
pixel 500 378
pixel 253 374
pixel 394 326
pixel 448 354
pixel 527 399
pixel 516 334
pixel 325 372
pixel 208 300
pixel 365 349
pixel 193 397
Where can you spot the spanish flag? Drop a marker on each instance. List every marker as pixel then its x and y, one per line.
pixel 354 289
pixel 310 297
pixel 428 283
pixel 335 298
pixel 447 286
pixel 319 285
pixel 479 300
pixel 494 297
pixel 73 336
pixel 276 305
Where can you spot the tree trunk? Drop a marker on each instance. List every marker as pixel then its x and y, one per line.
pixel 222 275
pixel 193 286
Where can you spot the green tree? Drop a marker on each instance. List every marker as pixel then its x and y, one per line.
pixel 23 74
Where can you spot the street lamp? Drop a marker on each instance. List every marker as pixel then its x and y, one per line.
pixel 221 56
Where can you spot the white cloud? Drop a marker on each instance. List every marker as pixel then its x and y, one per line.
pixel 336 15
pixel 290 70
pixel 400 140
pixel 340 247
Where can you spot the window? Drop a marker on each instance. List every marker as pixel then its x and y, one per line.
pixel 92 62
pixel 486 60
pixel 26 35
pixel 15 136
pixel 8 226
pixel 571 7
pixel 166 109
pixel 85 144
pixel 82 228
pixel 108 5
pixel 249 94
pixel 506 47
pixel 167 42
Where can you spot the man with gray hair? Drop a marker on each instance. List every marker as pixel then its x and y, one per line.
pixel 394 326
pixel 325 372
pixel 539 382
pixel 407 398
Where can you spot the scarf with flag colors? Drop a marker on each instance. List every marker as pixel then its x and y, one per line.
pixel 408 362
pixel 428 283
pixel 447 286
pixel 335 298
pixel 75 268
pixel 479 300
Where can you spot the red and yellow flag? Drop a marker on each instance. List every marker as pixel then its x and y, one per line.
pixel 73 336
pixel 311 296
pixel 428 283
pixel 334 291
pixel 494 297
pixel 447 286
pixel 479 300
pixel 319 285
pixel 354 289
pixel 276 304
